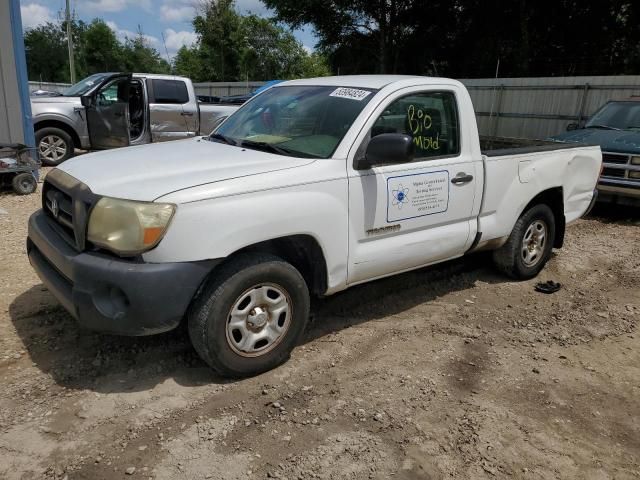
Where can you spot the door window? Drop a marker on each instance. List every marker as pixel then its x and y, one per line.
pixel 114 92
pixel 170 91
pixel 430 118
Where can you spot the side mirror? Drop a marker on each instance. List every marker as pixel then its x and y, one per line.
pixel 572 126
pixel 85 100
pixel 387 148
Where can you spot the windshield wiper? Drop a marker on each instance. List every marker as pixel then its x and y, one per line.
pixel 270 147
pixel 604 127
pixel 224 139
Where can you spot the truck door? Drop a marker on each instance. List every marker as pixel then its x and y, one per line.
pixel 403 216
pixel 107 110
pixel 173 113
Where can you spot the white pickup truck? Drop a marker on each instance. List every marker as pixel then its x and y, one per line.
pixel 311 187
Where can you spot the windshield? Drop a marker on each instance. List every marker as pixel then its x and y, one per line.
pixel 83 86
pixel 302 121
pixel 617 116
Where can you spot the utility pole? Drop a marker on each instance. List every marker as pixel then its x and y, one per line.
pixel 72 68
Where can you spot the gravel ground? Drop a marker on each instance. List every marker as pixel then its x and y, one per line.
pixel 447 372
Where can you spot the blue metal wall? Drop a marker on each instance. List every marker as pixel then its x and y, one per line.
pixel 15 107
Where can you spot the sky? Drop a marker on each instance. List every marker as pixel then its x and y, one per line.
pixel 156 17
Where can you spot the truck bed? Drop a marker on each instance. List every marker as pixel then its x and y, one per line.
pixel 516 170
pixel 501 146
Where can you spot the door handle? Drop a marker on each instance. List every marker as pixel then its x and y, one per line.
pixel 187 114
pixel 461 178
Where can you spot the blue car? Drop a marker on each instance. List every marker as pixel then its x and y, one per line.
pixel 616 128
pixel 240 99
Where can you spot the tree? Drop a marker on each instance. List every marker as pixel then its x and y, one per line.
pixel 187 62
pixel 314 64
pixel 465 38
pixel 97 49
pixel 383 23
pixel 218 28
pixel 234 47
pixel 268 51
pixel 46 51
pixel 140 57
pixel 100 49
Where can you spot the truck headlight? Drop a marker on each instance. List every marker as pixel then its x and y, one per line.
pixel 635 160
pixel 127 227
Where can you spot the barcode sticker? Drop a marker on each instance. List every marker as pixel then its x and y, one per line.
pixel 352 93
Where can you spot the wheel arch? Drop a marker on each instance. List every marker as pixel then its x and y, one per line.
pixel 554 199
pixel 303 251
pixel 62 126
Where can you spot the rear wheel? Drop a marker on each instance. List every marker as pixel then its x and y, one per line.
pixel 529 246
pixel 54 145
pixel 250 316
pixel 24 183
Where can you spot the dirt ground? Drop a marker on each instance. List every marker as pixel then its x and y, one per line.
pixel 447 372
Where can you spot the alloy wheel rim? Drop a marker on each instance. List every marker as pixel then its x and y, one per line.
pixel 534 242
pixel 258 320
pixel 52 147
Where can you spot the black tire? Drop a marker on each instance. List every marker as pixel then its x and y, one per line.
pixel 510 258
pixel 211 311
pixel 24 183
pixel 53 132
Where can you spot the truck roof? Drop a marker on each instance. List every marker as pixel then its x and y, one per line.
pixel 159 76
pixel 364 81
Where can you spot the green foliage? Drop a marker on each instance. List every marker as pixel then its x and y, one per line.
pixel 463 38
pixel 234 47
pixel 140 57
pixel 188 62
pixel 100 50
pixel 46 49
pixel 97 49
pixel 315 64
pixel 230 47
pixel 466 38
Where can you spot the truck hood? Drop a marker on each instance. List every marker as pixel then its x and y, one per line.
pixel 148 172
pixel 619 141
pixel 43 99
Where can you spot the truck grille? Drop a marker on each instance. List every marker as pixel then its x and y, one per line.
pixel 66 201
pixel 615 165
pixel 59 207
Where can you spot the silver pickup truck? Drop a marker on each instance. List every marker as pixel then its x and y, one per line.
pixel 109 110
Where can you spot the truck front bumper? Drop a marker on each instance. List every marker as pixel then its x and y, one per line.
pixel 622 190
pixel 113 295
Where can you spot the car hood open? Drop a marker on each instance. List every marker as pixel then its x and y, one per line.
pixel 148 172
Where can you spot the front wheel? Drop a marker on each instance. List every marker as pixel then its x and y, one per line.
pixel 529 246
pixel 250 315
pixel 54 145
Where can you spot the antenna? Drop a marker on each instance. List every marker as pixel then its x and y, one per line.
pixel 493 97
pixel 72 68
pixel 166 51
